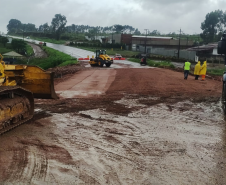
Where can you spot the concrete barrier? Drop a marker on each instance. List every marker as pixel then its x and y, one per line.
pixel 83 58
pixel 119 58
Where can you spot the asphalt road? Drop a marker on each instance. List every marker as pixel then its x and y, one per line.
pixel 81 53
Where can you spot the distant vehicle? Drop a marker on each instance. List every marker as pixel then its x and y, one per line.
pixel 42 43
pixel 118 56
pixel 143 61
pixel 27 37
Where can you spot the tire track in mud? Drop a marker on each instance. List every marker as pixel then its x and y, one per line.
pixel 27 167
pixel 163 148
pixel 137 140
pixel 19 162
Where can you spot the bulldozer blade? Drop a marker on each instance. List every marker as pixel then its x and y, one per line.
pixel 33 78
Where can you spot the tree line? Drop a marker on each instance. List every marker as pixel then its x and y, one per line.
pixel 58 27
pixel 213 27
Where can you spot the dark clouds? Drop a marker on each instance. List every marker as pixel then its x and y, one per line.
pixel 163 15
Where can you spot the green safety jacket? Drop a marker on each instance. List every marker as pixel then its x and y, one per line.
pixel 187 66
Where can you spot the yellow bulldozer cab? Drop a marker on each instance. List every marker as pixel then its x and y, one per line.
pixel 102 54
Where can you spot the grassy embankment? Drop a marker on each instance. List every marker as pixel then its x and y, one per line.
pixel 216 72
pixel 152 63
pixel 5 49
pixel 55 58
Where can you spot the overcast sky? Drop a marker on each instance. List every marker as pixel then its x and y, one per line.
pixel 162 15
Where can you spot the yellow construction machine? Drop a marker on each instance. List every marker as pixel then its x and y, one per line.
pixel 19 85
pixel 101 59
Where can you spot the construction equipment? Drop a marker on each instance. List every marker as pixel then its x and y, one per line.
pixel 221 50
pixel 101 59
pixel 19 85
pixel 143 61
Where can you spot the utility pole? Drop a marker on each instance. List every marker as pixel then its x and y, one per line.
pixel 178 52
pixel 146 40
pixel 112 38
pixel 23 33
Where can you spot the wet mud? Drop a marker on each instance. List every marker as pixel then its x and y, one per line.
pixel 144 129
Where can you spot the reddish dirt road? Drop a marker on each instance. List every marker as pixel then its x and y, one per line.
pixel 142 126
pixel 38 52
pixel 86 83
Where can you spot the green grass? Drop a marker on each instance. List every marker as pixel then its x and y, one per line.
pixel 69 62
pixel 152 63
pixel 29 49
pixel 217 72
pixel 55 58
pixel 5 49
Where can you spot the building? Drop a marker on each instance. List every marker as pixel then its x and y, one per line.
pixel 208 52
pixel 150 42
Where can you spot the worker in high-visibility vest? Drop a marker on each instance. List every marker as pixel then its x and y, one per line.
pixel 197 70
pixel 187 66
pixel 203 70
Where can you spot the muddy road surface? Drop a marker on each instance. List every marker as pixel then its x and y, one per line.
pixel 121 126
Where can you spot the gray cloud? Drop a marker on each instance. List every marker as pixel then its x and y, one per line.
pixel 163 15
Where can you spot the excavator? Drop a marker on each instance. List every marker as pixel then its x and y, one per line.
pixel 19 85
pixel 101 59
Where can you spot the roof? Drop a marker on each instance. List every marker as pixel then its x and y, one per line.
pixel 13 54
pixel 204 47
pixel 152 37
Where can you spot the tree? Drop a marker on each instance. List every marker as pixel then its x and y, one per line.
pixel 137 32
pixel 155 33
pixel 14 26
pixel 18 45
pixel 212 26
pixel 45 27
pixel 118 28
pixel 58 24
pixel 4 40
pixel 29 27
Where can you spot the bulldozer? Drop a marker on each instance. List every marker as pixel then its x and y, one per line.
pixel 101 59
pixel 19 85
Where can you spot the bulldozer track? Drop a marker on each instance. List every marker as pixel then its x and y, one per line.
pixel 21 91
pixel 2 131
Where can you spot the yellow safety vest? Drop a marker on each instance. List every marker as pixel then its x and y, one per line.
pixel 187 66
